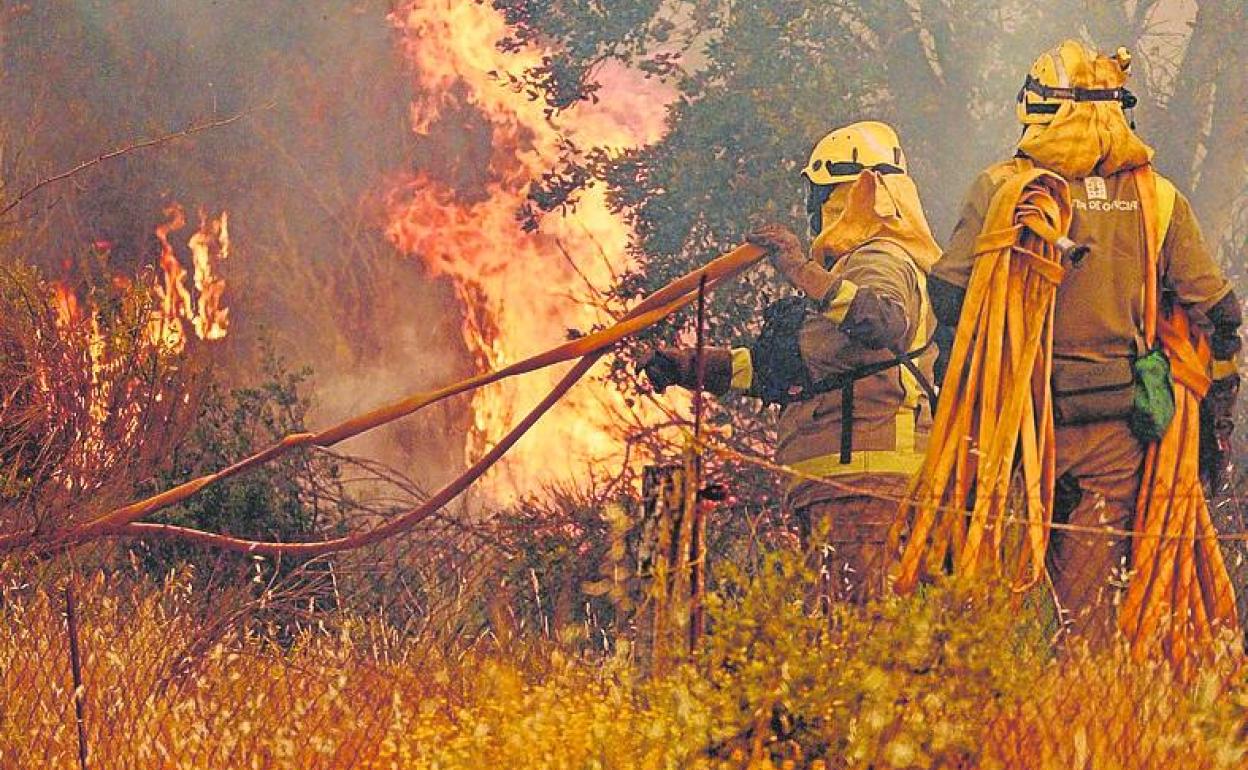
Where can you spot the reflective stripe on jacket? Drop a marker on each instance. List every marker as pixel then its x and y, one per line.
pixel 891 417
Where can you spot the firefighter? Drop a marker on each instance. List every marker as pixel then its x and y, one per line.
pixel 848 359
pixel 1072 110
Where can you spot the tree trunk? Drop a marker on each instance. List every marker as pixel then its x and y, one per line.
pixel 1220 183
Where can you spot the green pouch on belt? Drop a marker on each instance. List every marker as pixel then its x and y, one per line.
pixel 1153 408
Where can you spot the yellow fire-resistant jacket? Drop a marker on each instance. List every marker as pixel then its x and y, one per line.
pixel 876 308
pixel 1100 302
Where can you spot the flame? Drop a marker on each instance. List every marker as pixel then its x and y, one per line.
pixel 209 245
pixel 84 323
pixel 521 291
pixel 208 316
pixel 65 302
pixel 80 320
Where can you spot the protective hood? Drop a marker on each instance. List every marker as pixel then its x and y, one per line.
pixel 875 207
pixel 1082 138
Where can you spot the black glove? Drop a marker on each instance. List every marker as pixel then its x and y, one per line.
pixel 677 366
pixel 664 367
pixel 1217 421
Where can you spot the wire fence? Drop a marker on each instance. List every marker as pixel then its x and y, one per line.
pixel 478 637
pixel 117 656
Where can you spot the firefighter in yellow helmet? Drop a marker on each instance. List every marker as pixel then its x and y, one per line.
pixel 847 359
pixel 1072 108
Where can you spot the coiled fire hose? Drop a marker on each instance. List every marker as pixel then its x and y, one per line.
pixel 995 404
pixel 126 521
pixel 995 417
pixel 1180 593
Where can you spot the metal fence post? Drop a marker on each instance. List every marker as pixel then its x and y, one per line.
pixel 75 664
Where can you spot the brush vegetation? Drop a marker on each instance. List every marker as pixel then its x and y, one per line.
pixel 954 677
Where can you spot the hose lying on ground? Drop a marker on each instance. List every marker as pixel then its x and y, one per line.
pixel 125 521
pixel 995 403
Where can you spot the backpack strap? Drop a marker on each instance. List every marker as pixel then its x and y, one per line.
pixel 845 384
pixel 1157 198
pixel 1147 190
pixel 1166 195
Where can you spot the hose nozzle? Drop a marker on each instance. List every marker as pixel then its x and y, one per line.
pixel 1075 252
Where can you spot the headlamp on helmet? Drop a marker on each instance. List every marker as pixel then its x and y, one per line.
pixel 1049 84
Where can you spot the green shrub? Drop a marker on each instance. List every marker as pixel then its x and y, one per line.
pixel 902 683
pixel 299 496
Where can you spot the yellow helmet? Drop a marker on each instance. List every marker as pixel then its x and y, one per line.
pixel 1072 72
pixel 842 156
pixel 846 152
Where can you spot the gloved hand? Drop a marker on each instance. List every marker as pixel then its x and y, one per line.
pixel 787 256
pixel 669 366
pixel 679 366
pixel 782 246
pixel 1217 421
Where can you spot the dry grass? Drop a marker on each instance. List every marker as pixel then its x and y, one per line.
pixel 947 680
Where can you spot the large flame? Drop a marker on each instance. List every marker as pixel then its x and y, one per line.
pixel 522 291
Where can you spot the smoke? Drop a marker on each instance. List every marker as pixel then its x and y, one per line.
pixel 304 179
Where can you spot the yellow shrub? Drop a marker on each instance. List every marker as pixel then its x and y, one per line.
pixel 951 678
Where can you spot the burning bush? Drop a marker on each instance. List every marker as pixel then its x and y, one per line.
pixel 92 400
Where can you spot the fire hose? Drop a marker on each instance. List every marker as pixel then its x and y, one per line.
pixel 995 417
pixel 995 404
pixel 126 521
pixel 1180 591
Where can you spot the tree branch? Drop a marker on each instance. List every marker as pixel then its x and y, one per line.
pixel 123 150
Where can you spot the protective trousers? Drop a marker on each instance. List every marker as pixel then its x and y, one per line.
pixel 844 534
pixel 1099 466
